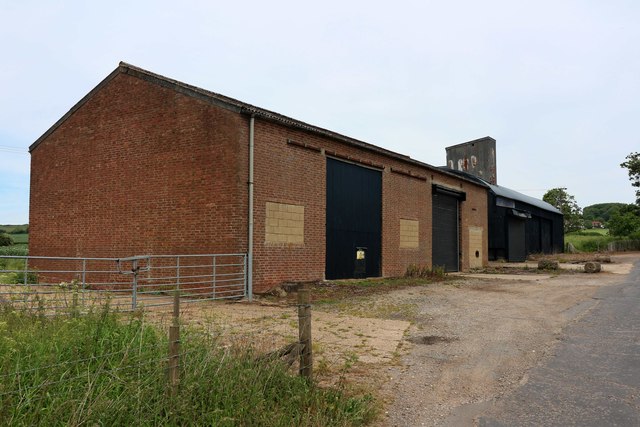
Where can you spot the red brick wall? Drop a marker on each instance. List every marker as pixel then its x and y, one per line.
pixel 290 175
pixel 286 173
pixel 143 169
pixel 140 169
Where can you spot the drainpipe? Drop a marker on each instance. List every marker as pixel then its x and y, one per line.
pixel 250 236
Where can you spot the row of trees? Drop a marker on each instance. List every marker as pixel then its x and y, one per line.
pixel 621 219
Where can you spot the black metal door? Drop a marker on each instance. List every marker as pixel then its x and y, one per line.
pixel 516 248
pixel 534 240
pixel 545 236
pixel 445 236
pixel 354 221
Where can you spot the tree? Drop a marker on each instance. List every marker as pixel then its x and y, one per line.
pixel 632 164
pixel 625 222
pixel 567 204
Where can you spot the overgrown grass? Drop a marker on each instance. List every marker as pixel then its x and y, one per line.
pixel 414 270
pixel 589 240
pixel 107 369
pixel 14 250
pixel 13 264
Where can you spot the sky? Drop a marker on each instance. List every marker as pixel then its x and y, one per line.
pixel 556 83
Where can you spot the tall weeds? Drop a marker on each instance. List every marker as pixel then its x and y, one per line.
pixel 106 368
pixel 417 271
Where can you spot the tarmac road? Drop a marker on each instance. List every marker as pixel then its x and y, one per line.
pixel 593 379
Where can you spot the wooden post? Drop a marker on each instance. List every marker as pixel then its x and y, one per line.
pixel 176 307
pixel 304 332
pixel 174 346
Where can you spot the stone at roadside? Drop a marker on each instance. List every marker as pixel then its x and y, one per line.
pixel 592 267
pixel 545 264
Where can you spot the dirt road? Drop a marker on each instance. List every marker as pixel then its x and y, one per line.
pixel 433 354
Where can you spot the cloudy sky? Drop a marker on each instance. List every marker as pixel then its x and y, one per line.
pixel 556 83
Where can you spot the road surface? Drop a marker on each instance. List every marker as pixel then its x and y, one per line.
pixel 593 378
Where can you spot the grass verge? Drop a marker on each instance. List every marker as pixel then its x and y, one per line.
pixel 338 290
pixel 105 368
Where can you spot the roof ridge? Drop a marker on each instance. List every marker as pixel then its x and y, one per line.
pixel 238 106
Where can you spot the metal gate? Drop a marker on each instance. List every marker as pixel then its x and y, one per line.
pixel 445 230
pixel 126 283
pixel 354 221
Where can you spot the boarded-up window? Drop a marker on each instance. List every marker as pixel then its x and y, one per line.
pixel 475 247
pixel 409 233
pixel 284 224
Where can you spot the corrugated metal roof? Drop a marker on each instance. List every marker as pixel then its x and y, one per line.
pixel 514 195
pixel 507 192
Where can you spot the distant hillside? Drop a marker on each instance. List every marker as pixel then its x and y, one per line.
pixel 601 211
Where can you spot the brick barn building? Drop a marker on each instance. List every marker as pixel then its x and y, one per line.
pixel 144 164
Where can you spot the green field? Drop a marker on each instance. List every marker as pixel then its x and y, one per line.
pixel 19 233
pixel 21 238
pixel 10 229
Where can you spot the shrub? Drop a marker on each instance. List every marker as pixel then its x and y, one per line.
pixel 15 250
pixel 18 278
pixel 414 270
pixel 5 240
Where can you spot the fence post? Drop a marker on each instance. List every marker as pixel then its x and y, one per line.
pixel 178 272
pixel 304 331
pixel 84 276
pixel 134 293
pixel 174 346
pixel 214 277
pixel 25 279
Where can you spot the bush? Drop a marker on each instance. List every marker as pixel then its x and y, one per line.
pixel 15 250
pixel 5 240
pixel 19 278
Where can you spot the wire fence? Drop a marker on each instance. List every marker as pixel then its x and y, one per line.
pixel 623 245
pixel 126 283
pixel 104 358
